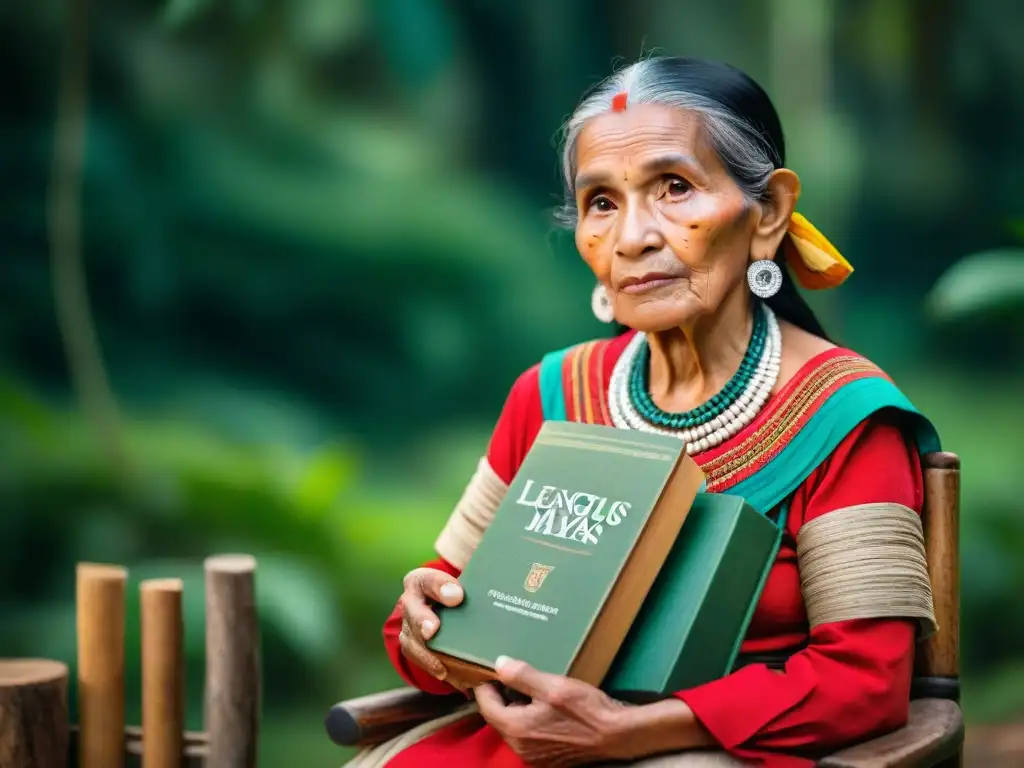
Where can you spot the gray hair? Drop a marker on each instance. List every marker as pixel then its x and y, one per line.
pixel 744 146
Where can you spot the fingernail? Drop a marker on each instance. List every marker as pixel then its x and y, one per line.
pixel 427 628
pixel 450 591
pixel 501 661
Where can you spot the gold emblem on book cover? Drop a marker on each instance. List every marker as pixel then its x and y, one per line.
pixel 535 578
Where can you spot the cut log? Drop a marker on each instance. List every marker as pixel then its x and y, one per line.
pixel 232 697
pixel 100 617
pixel 163 673
pixel 33 713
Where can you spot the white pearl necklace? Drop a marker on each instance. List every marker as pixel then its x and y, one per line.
pixel 722 427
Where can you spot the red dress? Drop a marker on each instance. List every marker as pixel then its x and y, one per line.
pixel 851 681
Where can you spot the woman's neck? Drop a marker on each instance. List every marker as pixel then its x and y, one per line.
pixel 690 364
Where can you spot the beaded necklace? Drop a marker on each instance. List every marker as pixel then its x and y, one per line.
pixel 717 420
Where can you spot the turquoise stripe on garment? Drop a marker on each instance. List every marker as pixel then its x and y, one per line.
pixel 825 430
pixel 552 391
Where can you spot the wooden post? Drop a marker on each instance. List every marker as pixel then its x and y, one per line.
pixel 232 662
pixel 33 713
pixel 163 674
pixel 939 655
pixel 100 607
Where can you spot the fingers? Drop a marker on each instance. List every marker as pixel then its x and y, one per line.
pixel 419 621
pixel 541 686
pixel 492 705
pixel 437 585
pixel 420 618
pixel 414 650
pixel 421 585
pixel 512 721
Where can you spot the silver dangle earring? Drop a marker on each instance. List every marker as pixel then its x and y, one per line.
pixel 764 278
pixel 602 305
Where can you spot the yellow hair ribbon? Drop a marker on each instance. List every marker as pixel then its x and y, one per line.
pixel 813 260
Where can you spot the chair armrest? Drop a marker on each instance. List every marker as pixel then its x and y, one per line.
pixel 933 733
pixel 380 716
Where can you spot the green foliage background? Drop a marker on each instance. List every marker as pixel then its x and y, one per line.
pixel 318 249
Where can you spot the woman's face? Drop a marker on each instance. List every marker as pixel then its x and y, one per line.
pixel 661 223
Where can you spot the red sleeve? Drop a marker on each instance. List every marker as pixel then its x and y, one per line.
pixel 853 679
pixel 517 426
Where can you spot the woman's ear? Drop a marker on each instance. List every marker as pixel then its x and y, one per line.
pixel 777 208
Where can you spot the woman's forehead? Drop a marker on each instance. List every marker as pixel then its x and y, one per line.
pixel 639 134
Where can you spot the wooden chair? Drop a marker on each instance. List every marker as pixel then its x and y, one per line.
pixel 933 736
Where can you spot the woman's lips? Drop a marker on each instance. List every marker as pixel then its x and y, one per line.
pixel 646 283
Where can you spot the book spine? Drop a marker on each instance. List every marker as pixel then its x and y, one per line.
pixel 755 598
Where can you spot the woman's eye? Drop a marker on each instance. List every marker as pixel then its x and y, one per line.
pixel 601 204
pixel 677 187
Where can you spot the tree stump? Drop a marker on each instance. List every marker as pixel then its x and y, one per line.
pixel 232 710
pixel 33 713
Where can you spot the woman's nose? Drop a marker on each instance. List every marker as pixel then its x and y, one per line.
pixel 638 233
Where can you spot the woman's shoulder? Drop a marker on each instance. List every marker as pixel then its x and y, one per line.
pixel 807 358
pixel 801 352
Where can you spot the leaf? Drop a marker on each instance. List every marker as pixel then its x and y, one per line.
pixel 981 283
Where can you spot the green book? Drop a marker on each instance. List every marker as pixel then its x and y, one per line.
pixel 562 570
pixel 695 617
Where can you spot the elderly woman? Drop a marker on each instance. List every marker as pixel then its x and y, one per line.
pixel 684 210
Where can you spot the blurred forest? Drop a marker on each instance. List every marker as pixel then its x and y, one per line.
pixel 318 248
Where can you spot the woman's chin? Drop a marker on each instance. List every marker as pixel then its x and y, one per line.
pixel 654 319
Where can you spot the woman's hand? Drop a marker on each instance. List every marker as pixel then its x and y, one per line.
pixel 419 622
pixel 567 723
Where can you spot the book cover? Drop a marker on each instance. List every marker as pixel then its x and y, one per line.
pixel 561 572
pixel 693 621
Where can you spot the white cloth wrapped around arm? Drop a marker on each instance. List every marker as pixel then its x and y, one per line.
pixel 865 562
pixel 471 516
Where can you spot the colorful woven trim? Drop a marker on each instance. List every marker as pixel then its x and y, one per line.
pixel 586 393
pixel 787 417
pixel 806 426
pixel 572 384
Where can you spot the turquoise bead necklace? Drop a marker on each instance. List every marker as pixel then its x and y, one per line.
pixel 639 389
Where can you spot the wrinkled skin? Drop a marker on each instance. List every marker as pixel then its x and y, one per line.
pixel 654 199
